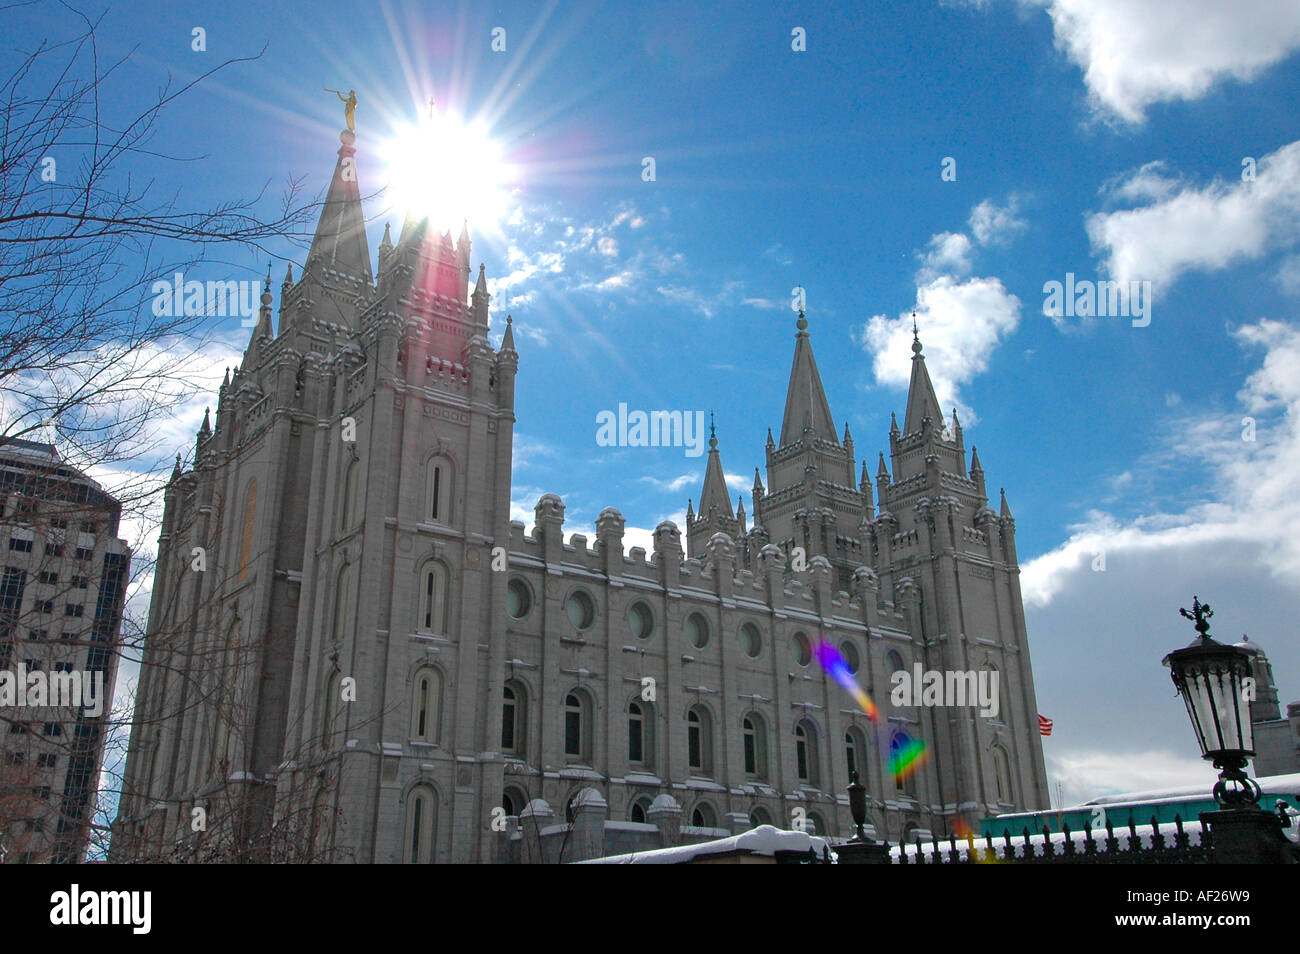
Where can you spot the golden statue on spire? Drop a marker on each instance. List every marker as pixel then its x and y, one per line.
pixel 349 106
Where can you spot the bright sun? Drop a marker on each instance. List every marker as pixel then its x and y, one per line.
pixel 448 170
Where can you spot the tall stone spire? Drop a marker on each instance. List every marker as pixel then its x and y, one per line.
pixel 921 402
pixel 715 482
pixel 805 399
pixel 340 241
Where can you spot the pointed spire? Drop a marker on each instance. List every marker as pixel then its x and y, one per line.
pixel 758 484
pixel 1005 511
pixel 176 471
pixel 715 496
pixel 882 470
pixel 508 339
pixel 805 401
pixel 848 438
pixel 893 423
pixel 386 243
pixel 921 402
pixel 263 329
pixel 226 382
pixel 975 467
pixel 866 481
pixel 340 241
pixel 770 442
pixel 690 510
pixel 206 427
pixel 288 275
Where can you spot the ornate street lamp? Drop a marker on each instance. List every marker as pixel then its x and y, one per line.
pixel 1209 675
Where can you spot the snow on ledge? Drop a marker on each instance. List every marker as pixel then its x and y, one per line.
pixel 764 840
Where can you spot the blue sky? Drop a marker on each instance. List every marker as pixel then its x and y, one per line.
pixel 1103 139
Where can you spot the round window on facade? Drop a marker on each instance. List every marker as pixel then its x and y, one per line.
pixel 751 641
pixel 801 649
pixel 581 609
pixel 697 630
pixel 640 620
pixel 518 599
pixel 850 654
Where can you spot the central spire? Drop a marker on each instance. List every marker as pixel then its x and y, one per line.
pixel 340 242
pixel 921 402
pixel 806 408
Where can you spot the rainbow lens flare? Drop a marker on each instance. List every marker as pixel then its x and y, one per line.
pixel 831 660
pixel 907 758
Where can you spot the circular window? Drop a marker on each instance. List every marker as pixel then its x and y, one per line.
pixel 697 630
pixel 751 641
pixel 801 649
pixel 518 599
pixel 850 654
pixel 640 620
pixel 581 610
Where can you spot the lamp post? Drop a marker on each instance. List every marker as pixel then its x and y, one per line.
pixel 1210 676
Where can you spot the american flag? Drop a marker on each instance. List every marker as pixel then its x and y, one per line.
pixel 1044 725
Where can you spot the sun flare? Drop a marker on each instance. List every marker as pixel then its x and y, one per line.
pixel 448 170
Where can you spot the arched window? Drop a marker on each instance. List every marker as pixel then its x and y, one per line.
pixel 760 816
pixel 426 706
pixel 751 640
pixel 577 725
pixel 805 751
pixel 640 733
pixel 639 811
pixel 349 507
pixel 342 604
pixel 513 801
pixel 754 737
pixel 904 772
pixel 421 824
pixel 438 490
pixel 514 711
pixel 699 740
pixel 703 816
pixel 246 539
pixel 1002 774
pixel 855 753
pixel 815 824
pixel 432 615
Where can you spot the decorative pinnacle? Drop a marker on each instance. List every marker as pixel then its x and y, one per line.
pixel 916 338
pixel 802 323
pixel 1200 615
pixel 713 434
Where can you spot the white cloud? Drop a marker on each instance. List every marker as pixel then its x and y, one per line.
pixel 607 246
pixel 992 224
pixel 1199 228
pixel 1135 53
pixel 948 252
pixel 961 322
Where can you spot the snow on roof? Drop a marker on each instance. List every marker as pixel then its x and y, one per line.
pixel 764 840
pixel 1271 784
